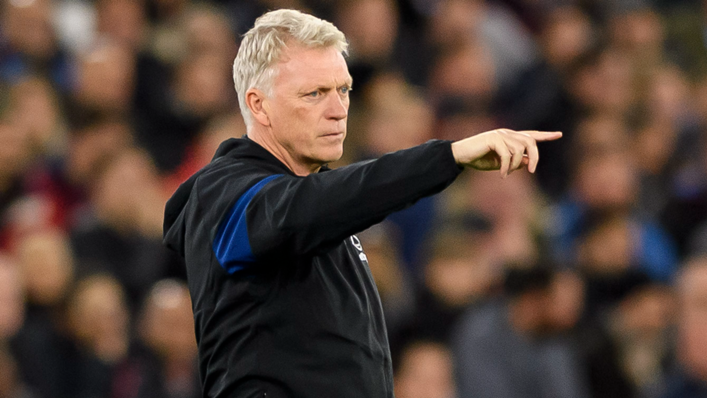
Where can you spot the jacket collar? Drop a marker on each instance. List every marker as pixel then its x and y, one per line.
pixel 244 147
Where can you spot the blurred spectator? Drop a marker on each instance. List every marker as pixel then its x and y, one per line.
pixel 105 82
pixel 512 206
pixel 501 349
pixel 12 318
pixel 623 332
pixel 371 27
pixel 465 71
pixel 571 323
pixel 28 45
pixel 602 209
pixel 604 83
pixel 600 133
pixel 667 96
pixel 124 238
pixel 661 133
pixel 40 347
pixel 542 99
pixel 15 155
pixel 98 323
pixel 47 266
pixel 94 146
pixel 202 150
pixel 134 210
pixel 12 308
pixel 123 21
pixel 395 286
pixel 686 210
pixel 568 300
pixel 34 108
pixel 202 88
pixel 11 385
pixel 566 36
pixel 425 370
pixel 607 248
pixel 398 117
pixel 167 329
pixel 57 188
pixel 457 116
pixel 690 378
pixel 183 81
pixel 209 31
pixel 458 275
pixel 638 31
pixel 640 326
pixel 509 45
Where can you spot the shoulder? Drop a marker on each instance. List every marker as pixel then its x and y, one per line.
pixel 229 177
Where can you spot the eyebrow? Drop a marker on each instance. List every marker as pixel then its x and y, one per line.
pixel 348 83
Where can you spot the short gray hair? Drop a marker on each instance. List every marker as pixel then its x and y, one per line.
pixel 261 48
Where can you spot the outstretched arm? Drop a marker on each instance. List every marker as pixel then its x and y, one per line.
pixel 295 216
pixel 502 149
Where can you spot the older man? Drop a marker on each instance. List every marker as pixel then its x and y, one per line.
pixel 284 303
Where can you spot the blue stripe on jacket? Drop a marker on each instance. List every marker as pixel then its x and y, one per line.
pixel 231 244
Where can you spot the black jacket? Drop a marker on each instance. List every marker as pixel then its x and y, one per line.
pixel 284 303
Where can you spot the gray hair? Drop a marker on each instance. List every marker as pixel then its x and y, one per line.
pixel 261 48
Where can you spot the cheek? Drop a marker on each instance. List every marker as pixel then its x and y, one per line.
pixel 285 116
pixel 307 115
pixel 303 123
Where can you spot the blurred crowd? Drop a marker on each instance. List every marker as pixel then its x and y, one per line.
pixel 587 279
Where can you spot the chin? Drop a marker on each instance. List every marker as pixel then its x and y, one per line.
pixel 330 159
pixel 331 156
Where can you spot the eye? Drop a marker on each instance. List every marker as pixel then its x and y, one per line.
pixel 313 94
pixel 345 90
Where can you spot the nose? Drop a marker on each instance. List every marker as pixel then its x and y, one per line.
pixel 338 107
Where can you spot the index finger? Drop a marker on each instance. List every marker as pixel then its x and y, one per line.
pixel 543 135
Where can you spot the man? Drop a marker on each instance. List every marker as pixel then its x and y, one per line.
pixel 284 303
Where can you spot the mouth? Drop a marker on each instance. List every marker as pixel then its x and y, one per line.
pixel 334 134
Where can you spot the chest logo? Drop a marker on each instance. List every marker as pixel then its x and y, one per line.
pixel 356 242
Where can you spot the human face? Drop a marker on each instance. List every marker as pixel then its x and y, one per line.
pixel 309 106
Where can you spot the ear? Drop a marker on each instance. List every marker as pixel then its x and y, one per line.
pixel 255 100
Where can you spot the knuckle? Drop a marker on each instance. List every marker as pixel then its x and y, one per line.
pixel 528 140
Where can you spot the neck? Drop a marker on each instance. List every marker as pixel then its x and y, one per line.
pixel 267 141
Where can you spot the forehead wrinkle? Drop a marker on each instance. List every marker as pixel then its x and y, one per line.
pixel 335 83
pixel 334 79
pixel 301 73
pixel 311 80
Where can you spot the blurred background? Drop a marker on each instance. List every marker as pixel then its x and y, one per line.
pixel 587 279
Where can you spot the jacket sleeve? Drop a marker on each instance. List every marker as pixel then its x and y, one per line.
pixel 287 216
pixel 306 215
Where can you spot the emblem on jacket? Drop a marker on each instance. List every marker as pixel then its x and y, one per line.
pixel 357 244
